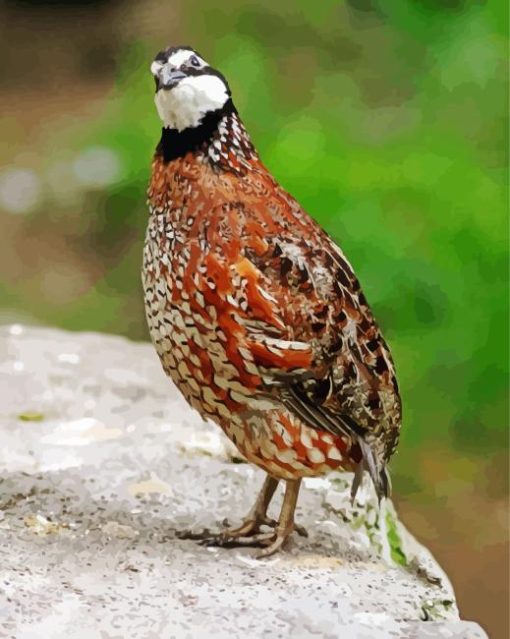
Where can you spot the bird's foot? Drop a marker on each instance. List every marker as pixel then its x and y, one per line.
pixel 248 534
pixel 273 545
pixel 249 529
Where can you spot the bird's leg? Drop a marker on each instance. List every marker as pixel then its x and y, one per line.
pixel 286 522
pixel 258 514
pixel 248 533
pixel 271 541
pixel 256 518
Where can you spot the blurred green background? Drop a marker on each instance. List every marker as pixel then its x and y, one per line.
pixel 387 120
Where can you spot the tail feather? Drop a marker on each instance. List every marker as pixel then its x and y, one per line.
pixel 296 399
pixel 380 477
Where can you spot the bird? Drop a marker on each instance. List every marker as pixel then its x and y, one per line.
pixel 255 312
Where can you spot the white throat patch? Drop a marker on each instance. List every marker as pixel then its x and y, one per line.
pixel 187 103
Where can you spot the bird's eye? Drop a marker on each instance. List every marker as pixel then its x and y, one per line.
pixel 194 61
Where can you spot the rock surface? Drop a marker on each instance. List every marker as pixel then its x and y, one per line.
pixel 101 462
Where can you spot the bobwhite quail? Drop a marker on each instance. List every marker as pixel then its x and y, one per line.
pixel 256 314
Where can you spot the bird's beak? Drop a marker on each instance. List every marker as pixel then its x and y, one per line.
pixel 168 77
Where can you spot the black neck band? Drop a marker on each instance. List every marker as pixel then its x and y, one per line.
pixel 175 144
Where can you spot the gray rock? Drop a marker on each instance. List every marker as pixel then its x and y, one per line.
pixel 102 462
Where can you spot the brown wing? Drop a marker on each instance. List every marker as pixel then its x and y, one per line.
pixel 311 329
pixel 350 384
pixel 290 297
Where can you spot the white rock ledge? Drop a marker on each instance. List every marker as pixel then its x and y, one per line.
pixel 102 462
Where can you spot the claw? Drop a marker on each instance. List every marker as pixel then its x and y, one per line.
pixel 301 530
pixel 278 539
pixel 189 534
pixel 226 539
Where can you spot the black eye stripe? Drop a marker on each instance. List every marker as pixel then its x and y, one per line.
pixel 193 71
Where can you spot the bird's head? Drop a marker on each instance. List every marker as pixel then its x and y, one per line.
pixel 187 88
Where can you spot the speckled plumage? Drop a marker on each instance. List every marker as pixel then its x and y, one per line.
pixel 257 315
